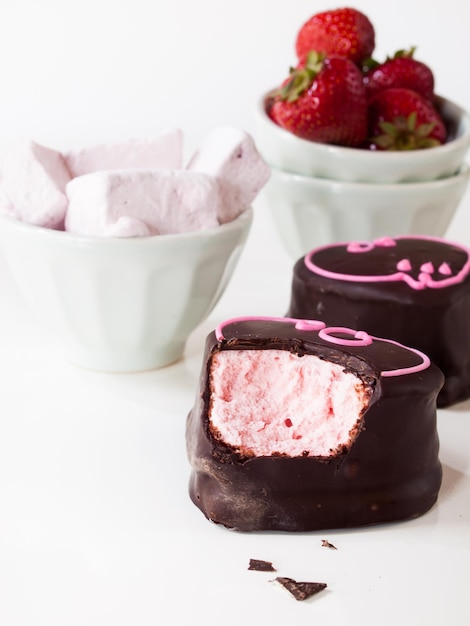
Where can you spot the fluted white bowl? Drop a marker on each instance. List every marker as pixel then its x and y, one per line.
pixel 122 305
pixel 310 212
pixel 285 151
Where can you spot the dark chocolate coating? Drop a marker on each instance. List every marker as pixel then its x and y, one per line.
pixel 390 472
pixel 435 321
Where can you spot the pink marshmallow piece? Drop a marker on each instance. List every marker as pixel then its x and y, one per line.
pixel 132 203
pixel 275 402
pixel 163 151
pixel 127 226
pixel 230 155
pixel 34 181
pixel 5 204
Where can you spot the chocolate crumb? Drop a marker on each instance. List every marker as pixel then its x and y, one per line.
pixel 300 590
pixel 327 544
pixel 261 566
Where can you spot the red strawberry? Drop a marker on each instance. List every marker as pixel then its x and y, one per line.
pixel 401 119
pixel 324 100
pixel 402 70
pixel 341 32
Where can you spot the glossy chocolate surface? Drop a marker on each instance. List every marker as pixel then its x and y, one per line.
pixel 391 471
pixel 429 310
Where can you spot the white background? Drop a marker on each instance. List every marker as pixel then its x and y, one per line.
pixel 96 527
pixel 73 73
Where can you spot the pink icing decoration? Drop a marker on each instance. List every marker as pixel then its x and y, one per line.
pixel 407 370
pixel 359 246
pixel 404 265
pixel 386 242
pixel 445 270
pixel 424 280
pixel 365 246
pixel 427 268
pixel 307 324
pixel 360 338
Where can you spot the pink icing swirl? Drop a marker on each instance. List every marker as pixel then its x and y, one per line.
pixel 423 281
pixel 358 338
pixel 366 246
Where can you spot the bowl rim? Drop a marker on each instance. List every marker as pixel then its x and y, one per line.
pixel 240 222
pixel 462 174
pixel 363 154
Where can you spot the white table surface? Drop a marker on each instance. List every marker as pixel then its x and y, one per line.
pixel 96 526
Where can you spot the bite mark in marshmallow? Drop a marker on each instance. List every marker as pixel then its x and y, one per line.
pixel 268 402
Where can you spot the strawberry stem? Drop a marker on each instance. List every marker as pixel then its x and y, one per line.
pixel 405 134
pixel 403 53
pixel 301 77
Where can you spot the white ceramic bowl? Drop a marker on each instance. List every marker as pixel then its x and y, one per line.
pixel 285 151
pixel 123 305
pixel 310 212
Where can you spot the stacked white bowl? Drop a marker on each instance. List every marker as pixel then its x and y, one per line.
pixel 320 194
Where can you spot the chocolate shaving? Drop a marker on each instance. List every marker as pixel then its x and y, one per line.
pixel 300 590
pixel 327 544
pixel 261 566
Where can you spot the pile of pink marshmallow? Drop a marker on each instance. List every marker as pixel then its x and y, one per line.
pixel 136 187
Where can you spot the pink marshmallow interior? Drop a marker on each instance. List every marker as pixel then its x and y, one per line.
pixel 266 402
